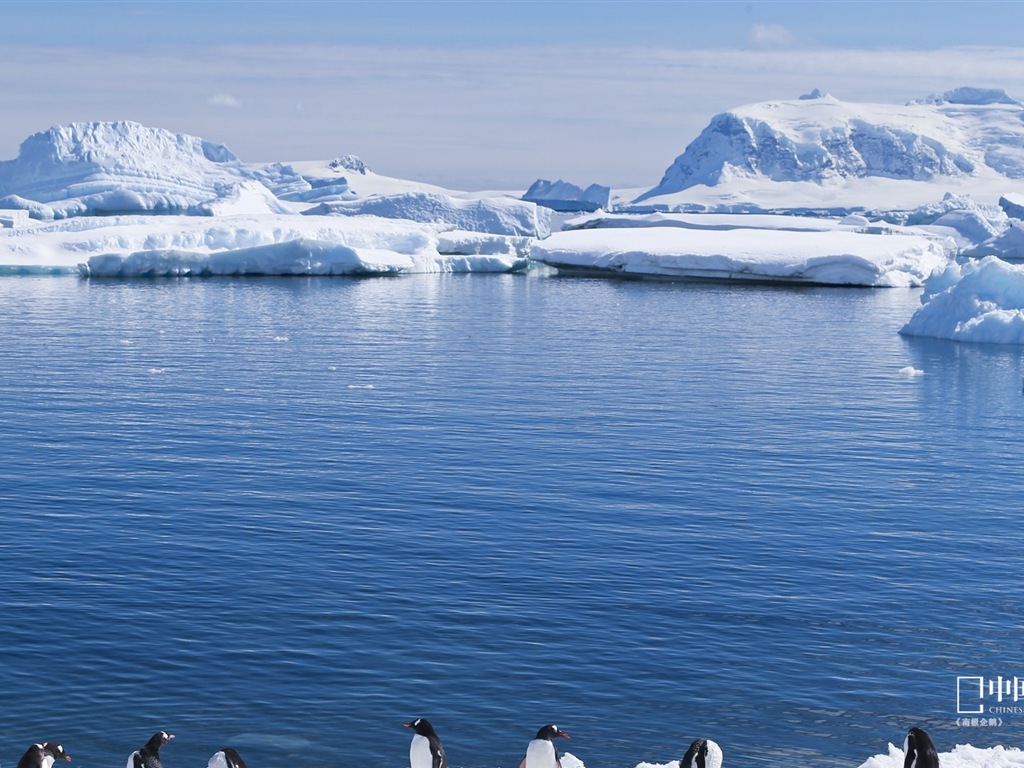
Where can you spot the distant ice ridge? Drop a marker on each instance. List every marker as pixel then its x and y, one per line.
pixel 565 196
pixel 743 248
pixel 974 301
pixel 503 216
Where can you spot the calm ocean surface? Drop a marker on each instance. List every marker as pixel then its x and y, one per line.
pixel 288 515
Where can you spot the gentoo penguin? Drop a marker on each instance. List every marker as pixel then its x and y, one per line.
pixel 426 750
pixel 541 752
pixel 703 753
pixel 920 750
pixel 43 755
pixel 226 758
pixel 149 755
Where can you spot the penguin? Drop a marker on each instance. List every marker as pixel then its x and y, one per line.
pixel 426 750
pixel 149 755
pixel 703 753
pixel 226 758
pixel 920 750
pixel 43 755
pixel 541 752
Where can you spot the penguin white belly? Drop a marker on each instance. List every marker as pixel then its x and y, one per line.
pixel 419 753
pixel 540 754
pixel 47 762
pixel 714 758
pixel 131 759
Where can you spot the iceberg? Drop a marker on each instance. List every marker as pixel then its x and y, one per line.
pixel 292 257
pixel 829 257
pixel 121 199
pixel 974 301
pixel 116 168
pixel 188 244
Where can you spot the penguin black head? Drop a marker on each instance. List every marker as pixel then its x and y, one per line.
pixel 422 726
pixel 56 751
pixel 703 753
pixel 158 740
pixel 920 750
pixel 549 732
pixel 43 755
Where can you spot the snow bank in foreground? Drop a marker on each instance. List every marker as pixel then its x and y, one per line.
pixel 761 255
pixel 961 756
pixel 503 216
pixel 979 301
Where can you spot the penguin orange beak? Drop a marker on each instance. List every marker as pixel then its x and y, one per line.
pixel 68 758
pixel 407 725
pixel 563 733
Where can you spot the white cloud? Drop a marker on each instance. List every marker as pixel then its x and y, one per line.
pixel 466 118
pixel 224 100
pixel 771 36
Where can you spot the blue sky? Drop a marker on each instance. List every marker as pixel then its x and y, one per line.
pixel 483 94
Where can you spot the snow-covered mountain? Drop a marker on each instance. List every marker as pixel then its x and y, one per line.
pixel 819 152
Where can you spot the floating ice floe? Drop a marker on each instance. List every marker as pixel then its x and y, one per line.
pixel 835 256
pixel 253 244
pixel 292 257
pixel 977 301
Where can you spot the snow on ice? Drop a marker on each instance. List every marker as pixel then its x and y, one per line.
pixel 961 756
pixel 831 257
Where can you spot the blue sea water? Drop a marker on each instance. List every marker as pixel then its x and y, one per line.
pixel 288 515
